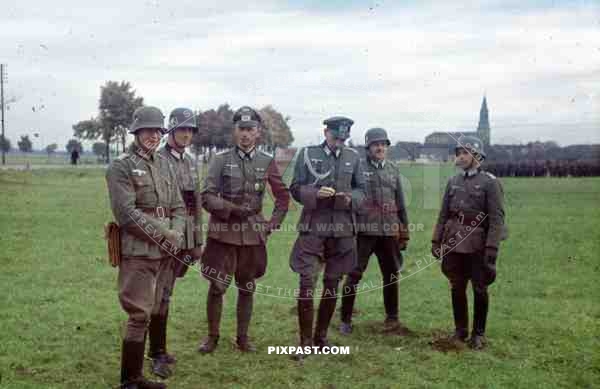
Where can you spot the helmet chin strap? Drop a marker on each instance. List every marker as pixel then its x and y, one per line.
pixel 177 145
pixel 474 164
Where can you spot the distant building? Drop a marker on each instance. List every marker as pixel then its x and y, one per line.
pixel 440 144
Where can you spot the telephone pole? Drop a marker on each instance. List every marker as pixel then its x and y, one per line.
pixel 2 69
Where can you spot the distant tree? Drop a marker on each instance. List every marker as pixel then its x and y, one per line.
pixel 88 129
pixel 25 144
pixel 215 128
pixel 99 148
pixel 51 149
pixel 74 144
pixel 4 144
pixel 117 103
pixel 278 132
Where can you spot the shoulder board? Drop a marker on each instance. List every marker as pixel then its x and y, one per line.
pixel 351 149
pixel 265 153
pixel 490 175
pixel 223 152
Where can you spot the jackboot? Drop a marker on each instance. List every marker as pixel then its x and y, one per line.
pixel 132 364
pixel 305 323
pixel 460 310
pixel 214 307
pixel 244 315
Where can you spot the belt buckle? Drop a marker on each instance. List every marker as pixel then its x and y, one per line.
pixel 160 212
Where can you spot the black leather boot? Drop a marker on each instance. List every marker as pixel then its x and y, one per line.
pixel 244 315
pixel 132 363
pixel 214 307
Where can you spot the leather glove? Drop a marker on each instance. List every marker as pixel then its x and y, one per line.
pixel 436 249
pixel 402 236
pixel 325 192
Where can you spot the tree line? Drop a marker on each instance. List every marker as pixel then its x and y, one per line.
pixel 118 101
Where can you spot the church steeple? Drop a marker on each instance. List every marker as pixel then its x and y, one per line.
pixel 483 128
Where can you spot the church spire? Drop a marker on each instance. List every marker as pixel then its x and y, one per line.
pixel 483 128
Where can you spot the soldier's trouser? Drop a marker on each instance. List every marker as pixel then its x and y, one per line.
pixel 387 250
pixel 182 264
pixel 168 273
pixel 140 294
pixel 460 268
pixel 157 329
pixel 339 255
pixel 220 263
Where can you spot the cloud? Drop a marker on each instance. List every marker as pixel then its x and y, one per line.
pixel 411 69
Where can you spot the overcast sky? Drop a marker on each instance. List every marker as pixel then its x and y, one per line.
pixel 411 68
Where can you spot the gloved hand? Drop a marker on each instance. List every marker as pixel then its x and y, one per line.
pixel 325 192
pixel 489 263
pixel 402 236
pixel 436 249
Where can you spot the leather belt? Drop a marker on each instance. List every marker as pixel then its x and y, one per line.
pixel 158 212
pixel 470 219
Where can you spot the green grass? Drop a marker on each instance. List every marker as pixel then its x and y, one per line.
pixel 53 159
pixel 62 324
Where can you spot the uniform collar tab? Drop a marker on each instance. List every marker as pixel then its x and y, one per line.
pixel 246 155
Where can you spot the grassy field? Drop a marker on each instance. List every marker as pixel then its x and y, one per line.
pixel 61 321
pixel 44 159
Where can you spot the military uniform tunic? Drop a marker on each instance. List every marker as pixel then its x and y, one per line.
pixel 382 225
pixel 327 226
pixel 472 213
pixel 146 204
pixel 470 223
pixel 186 179
pixel 238 181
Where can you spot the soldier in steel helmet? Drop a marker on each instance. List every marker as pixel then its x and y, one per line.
pixel 382 230
pixel 467 236
pixel 329 183
pixel 181 128
pixel 233 193
pixel 151 217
